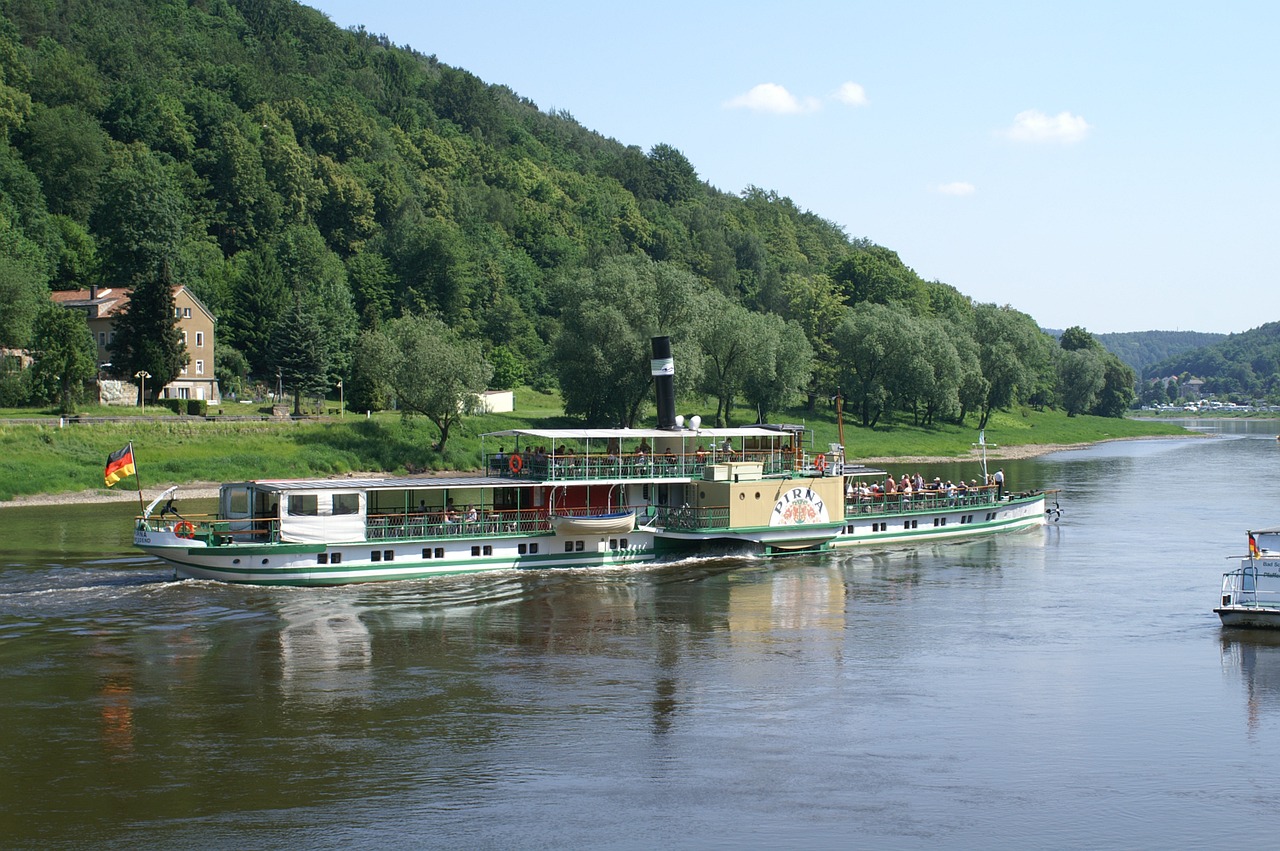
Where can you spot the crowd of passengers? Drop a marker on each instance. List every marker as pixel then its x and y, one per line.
pixel 915 486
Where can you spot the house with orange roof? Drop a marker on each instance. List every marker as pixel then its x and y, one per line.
pixel 102 305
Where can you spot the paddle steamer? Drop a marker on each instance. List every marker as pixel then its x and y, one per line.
pixel 556 498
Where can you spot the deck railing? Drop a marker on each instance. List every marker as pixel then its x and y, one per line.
pixel 1249 586
pixel 486 522
pixel 571 468
pixel 688 519
pixel 923 501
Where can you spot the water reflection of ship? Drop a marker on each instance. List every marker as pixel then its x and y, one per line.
pixel 790 599
pixel 325 651
pixel 1256 654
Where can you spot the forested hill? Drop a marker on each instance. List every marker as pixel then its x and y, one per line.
pixel 1245 365
pixel 1141 349
pixel 313 185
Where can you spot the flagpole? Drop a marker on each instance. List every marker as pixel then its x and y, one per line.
pixel 141 508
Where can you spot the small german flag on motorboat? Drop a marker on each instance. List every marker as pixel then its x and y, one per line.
pixel 119 465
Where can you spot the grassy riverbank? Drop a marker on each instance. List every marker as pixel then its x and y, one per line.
pixel 48 459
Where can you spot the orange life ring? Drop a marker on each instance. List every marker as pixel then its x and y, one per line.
pixel 184 529
pixel 821 463
pixel 515 463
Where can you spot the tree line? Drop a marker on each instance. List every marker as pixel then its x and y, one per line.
pixel 356 211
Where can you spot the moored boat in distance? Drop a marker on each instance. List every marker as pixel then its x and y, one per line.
pixel 1251 593
pixel 574 498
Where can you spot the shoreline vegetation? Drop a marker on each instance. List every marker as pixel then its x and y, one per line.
pixel 209 490
pixel 55 464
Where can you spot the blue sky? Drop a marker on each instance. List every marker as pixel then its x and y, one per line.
pixel 1110 165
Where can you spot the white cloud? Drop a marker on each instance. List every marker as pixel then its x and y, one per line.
pixel 1032 125
pixel 851 94
pixel 771 97
pixel 958 187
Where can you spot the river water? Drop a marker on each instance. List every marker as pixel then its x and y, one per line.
pixel 1065 688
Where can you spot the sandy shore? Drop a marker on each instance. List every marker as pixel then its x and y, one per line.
pixel 209 490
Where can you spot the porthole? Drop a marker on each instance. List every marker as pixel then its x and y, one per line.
pixel 757 494
pixel 266 561
pixel 742 496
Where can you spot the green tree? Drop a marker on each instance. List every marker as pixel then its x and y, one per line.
pixel 140 220
pixel 1118 391
pixel 1014 355
pixel 299 354
pixel 782 366
pixel 607 317
pixel 258 298
pixel 1080 379
pixel 430 370
pixel 873 345
pixel 147 338
pixel 23 289
pixel 68 151
pixel 63 352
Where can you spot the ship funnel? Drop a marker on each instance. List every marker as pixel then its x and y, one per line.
pixel 663 370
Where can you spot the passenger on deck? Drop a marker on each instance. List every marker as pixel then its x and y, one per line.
pixel 669 459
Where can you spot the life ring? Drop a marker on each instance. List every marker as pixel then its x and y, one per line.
pixel 821 463
pixel 515 463
pixel 184 529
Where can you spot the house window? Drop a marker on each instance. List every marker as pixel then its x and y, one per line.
pixel 199 339
pixel 184 369
pixel 186 313
pixel 102 338
pixel 199 367
pixel 184 338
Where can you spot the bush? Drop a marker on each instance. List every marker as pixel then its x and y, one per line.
pixel 178 406
pixel 15 390
pixel 197 407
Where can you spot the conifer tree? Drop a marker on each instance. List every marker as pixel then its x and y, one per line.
pixel 147 335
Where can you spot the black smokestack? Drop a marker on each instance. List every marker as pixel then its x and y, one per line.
pixel 663 370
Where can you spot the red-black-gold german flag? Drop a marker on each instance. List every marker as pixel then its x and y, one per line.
pixel 119 465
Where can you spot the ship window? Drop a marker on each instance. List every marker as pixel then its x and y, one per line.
pixel 488 549
pixel 323 558
pixel 906 524
pixel 533 548
pixel 426 552
pixel 613 543
pixel 303 504
pixel 266 561
pixel 623 543
pixel 439 552
pixel 388 555
pixel 346 503
pixel 235 561
pixel 568 546
pixel 913 524
pixel 475 551
pixel 757 494
pixel 523 548
pixel 336 558
pixel 376 555
pixel 577 545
